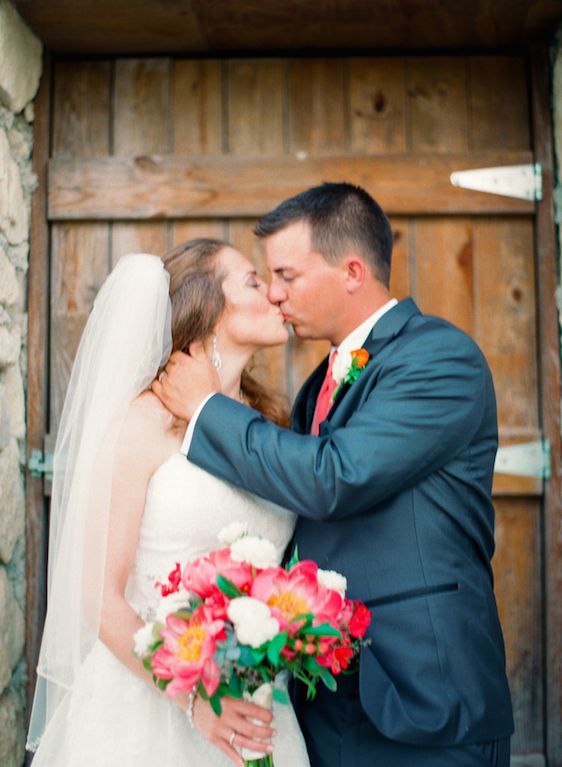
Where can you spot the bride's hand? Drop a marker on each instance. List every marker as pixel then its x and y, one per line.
pixel 234 728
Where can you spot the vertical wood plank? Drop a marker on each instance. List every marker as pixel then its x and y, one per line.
pixel 377 110
pixel 400 265
pixel 256 108
pixel 141 125
pixel 316 124
pixel 316 106
pixel 197 106
pixel 549 362
pixel 436 104
pixel 505 315
pixel 36 534
pixel 79 253
pixel 444 269
pixel 197 128
pixel 498 103
pixel 517 568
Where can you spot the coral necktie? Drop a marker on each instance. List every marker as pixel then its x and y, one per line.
pixel 323 403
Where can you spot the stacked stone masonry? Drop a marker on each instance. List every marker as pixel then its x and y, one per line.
pixel 20 70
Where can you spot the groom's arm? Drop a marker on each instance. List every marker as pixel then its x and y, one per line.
pixel 425 409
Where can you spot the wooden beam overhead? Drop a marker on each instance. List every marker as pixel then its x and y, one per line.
pixel 210 26
pixel 170 186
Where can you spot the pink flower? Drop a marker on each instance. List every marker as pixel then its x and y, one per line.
pixel 290 594
pixel 187 654
pixel 200 576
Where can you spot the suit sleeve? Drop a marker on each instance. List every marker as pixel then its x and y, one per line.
pixel 424 410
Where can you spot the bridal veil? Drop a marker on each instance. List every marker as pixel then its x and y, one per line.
pixel 126 339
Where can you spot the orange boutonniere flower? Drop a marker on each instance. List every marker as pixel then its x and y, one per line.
pixel 360 357
pixel 347 370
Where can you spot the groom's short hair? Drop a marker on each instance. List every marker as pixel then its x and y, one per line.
pixel 341 216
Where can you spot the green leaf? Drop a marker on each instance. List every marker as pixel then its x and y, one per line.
pixel 324 630
pixel 280 696
pixel 215 702
pixel 294 559
pixel 228 588
pixel 311 665
pixel 275 646
pixel 235 686
pixel 328 679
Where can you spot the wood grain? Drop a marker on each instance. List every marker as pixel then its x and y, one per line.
pixel 167 186
pixel 517 568
pixel 141 124
pixel 505 315
pixel 37 411
pixel 444 269
pixel 549 361
pixel 79 253
pixel 377 105
pixel 436 104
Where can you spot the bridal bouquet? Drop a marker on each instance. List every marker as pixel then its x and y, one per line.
pixel 229 622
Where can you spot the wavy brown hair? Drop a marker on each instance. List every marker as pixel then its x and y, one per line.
pixel 198 302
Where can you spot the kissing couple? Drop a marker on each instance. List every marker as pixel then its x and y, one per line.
pixel 383 473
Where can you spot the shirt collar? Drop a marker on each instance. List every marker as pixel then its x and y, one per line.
pixel 359 335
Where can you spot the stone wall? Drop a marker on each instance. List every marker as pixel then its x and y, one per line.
pixel 20 69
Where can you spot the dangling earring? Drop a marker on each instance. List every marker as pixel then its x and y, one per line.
pixel 215 356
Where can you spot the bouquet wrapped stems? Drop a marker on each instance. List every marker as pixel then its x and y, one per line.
pixel 265 761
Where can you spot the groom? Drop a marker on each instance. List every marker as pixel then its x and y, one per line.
pixel 389 466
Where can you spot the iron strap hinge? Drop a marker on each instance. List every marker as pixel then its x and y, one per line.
pixel 521 181
pixel 529 459
pixel 40 464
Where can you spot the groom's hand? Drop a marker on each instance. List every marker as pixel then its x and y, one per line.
pixel 185 382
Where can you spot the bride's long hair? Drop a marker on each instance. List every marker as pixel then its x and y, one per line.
pixel 197 304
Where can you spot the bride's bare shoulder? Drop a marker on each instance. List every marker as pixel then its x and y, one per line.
pixel 145 435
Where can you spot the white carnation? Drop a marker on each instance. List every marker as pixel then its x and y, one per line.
pixel 330 579
pixel 253 622
pixel 233 532
pixel 340 368
pixel 144 638
pixel 258 552
pixel 171 604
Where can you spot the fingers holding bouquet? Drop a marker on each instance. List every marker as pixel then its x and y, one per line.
pixel 236 728
pixel 230 621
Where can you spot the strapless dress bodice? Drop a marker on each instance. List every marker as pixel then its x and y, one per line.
pixel 185 510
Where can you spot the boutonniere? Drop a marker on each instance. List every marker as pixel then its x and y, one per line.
pixel 348 367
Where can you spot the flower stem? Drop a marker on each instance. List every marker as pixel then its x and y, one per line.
pixel 265 761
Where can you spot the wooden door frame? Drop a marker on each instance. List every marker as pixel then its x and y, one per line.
pixel 549 400
pixel 549 391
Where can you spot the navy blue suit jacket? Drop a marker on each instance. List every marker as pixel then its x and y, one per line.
pixel 395 493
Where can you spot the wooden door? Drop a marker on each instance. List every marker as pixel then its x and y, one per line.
pixel 146 153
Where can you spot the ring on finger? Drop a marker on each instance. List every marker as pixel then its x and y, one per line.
pixel 232 738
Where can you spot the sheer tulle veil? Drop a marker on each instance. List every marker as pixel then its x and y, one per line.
pixel 126 339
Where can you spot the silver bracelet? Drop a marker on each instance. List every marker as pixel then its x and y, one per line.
pixel 190 705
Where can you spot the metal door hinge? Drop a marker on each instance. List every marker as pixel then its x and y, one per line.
pixel 530 459
pixel 521 181
pixel 40 464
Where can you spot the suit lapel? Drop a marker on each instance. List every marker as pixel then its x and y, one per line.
pixel 385 330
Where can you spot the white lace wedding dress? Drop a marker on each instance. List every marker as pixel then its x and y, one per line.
pixel 111 718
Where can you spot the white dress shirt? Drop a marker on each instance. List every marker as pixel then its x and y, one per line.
pixel 354 340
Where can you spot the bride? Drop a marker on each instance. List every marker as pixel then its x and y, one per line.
pixel 127 506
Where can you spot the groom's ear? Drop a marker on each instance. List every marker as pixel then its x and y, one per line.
pixel 355 272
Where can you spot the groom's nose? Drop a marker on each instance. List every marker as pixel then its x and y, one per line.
pixel 276 293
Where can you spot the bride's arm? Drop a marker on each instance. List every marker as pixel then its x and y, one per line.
pixel 141 449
